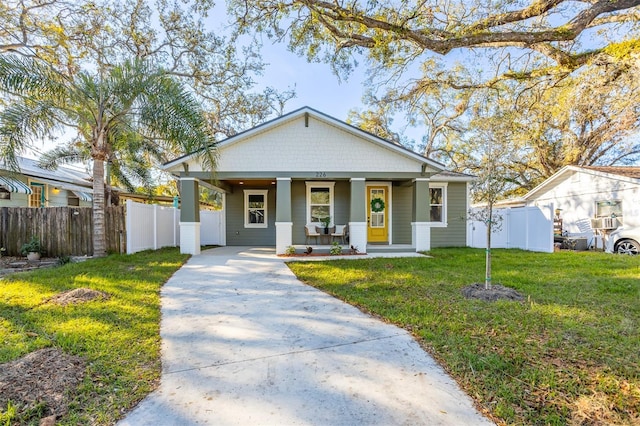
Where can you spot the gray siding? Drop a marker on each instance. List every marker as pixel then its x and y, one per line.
pixel 402 205
pixel 341 199
pixel 237 234
pixel 455 234
pixel 299 210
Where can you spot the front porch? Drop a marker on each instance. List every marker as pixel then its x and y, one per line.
pixel 346 248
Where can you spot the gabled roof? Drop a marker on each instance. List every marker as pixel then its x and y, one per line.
pixel 319 116
pixel 630 172
pixel 65 177
pixel 627 174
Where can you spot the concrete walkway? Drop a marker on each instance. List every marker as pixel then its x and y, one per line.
pixel 245 343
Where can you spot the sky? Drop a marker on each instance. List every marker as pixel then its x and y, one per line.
pixel 315 84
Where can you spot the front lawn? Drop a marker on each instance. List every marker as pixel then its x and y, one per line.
pixel 569 354
pixel 116 336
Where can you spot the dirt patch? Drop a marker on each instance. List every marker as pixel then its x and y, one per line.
pixel 41 380
pixel 497 292
pixel 78 295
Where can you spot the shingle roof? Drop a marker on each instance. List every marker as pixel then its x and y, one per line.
pixel 631 172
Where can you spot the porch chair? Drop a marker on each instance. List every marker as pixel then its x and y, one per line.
pixel 310 232
pixel 339 232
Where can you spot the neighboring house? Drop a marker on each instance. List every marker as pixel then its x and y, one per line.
pixel 588 199
pixel 304 166
pixel 37 187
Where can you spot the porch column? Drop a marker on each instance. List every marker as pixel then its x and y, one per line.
pixel 420 227
pixel 358 215
pixel 189 216
pixel 284 225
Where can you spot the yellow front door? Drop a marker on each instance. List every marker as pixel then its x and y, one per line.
pixel 377 216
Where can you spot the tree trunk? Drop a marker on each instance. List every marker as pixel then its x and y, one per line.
pixel 99 237
pixel 487 276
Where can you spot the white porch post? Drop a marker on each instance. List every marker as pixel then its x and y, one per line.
pixel 189 216
pixel 358 215
pixel 284 225
pixel 420 227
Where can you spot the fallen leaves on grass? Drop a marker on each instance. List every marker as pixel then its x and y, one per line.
pixel 496 292
pixel 42 378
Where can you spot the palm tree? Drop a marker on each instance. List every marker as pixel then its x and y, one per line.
pixel 130 107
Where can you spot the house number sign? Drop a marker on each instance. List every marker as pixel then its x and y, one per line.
pixel 321 174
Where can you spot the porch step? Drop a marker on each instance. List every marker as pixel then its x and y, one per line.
pixel 394 248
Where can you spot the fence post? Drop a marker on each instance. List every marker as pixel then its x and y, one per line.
pixel 176 218
pixel 155 227
pixel 129 225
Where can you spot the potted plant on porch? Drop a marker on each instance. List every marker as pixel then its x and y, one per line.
pixel 32 249
pixel 326 221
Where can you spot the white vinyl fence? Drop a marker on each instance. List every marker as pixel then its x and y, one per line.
pixel 212 228
pixel 527 228
pixel 151 226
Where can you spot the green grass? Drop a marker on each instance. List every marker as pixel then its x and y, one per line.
pixel 118 337
pixel 570 354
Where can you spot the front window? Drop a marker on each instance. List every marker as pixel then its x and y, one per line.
pixel 36 199
pixel 319 201
pixel 437 204
pixel 255 208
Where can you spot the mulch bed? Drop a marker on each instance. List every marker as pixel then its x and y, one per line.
pixel 42 380
pixel 496 292
pixel 78 295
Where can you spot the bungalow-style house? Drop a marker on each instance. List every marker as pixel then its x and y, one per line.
pixel 34 186
pixel 306 167
pixel 590 200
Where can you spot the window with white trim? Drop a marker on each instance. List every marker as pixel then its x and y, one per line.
pixel 437 203
pixel 609 208
pixel 319 201
pixel 255 208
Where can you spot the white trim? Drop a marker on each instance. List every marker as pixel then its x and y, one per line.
pixel 466 213
pixel 284 236
pixel 286 179
pixel 356 179
pixel 358 236
pixel 389 206
pixel 421 236
pixel 189 238
pixel 319 184
pixel 443 185
pixel 247 193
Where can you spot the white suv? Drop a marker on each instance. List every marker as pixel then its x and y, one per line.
pixel 624 241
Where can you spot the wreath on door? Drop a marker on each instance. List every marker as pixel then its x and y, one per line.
pixel 377 205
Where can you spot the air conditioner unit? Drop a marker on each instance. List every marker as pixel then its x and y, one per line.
pixel 605 223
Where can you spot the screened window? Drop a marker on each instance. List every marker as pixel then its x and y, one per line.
pixel 319 201
pixel 437 197
pixel 255 209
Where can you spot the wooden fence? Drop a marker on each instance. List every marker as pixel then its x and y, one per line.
pixel 61 230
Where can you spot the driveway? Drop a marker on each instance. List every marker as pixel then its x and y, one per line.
pixel 245 343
